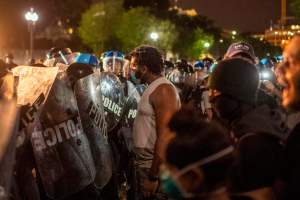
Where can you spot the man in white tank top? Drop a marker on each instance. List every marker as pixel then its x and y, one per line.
pixel 150 130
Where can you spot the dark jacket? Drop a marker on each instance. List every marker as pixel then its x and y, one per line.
pixel 259 150
pixel 292 164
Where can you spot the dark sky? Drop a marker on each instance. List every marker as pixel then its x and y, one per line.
pixel 243 15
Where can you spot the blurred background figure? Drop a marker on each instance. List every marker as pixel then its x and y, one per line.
pixel 201 175
pixel 9 61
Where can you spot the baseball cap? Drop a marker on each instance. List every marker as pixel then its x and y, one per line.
pixel 240 47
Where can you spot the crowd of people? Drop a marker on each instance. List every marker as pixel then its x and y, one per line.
pixel 139 127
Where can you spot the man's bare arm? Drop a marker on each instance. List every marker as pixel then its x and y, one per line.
pixel 165 102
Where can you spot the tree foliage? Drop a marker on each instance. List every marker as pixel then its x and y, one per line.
pixel 136 26
pixel 98 25
pixel 107 25
pixel 192 44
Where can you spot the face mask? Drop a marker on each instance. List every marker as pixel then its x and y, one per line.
pixel 134 79
pixel 170 183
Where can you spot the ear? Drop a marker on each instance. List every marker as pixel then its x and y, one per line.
pixel 143 69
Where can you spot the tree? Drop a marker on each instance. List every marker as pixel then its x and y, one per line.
pixel 98 25
pixel 137 24
pixel 108 26
pixel 193 44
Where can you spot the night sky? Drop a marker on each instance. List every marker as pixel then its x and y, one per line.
pixel 243 15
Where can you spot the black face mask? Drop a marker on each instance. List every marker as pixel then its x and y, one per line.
pixel 226 107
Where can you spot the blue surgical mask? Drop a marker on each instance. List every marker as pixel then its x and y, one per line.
pixel 170 182
pixel 134 79
pixel 171 187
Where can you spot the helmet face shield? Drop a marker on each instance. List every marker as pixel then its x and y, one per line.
pixel 113 64
pixel 113 61
pixel 66 59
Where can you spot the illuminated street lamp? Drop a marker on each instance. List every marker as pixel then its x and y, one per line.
pixel 206 45
pixel 233 33
pixel 154 36
pixel 31 18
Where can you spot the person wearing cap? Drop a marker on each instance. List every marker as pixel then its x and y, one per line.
pixel 245 51
pixel 9 61
pixel 257 131
pixel 241 50
pixel 150 129
pixel 197 160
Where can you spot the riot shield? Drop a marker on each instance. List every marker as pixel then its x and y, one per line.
pixel 131 103
pixel 92 114
pixel 8 126
pixel 61 149
pixel 33 82
pixel 112 98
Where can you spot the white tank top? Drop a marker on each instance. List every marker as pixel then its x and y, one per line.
pixel 144 127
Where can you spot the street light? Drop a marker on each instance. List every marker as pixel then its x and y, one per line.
pixel 31 18
pixel 154 36
pixel 206 45
pixel 233 33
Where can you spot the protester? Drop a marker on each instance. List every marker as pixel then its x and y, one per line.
pixel 241 50
pixel 150 131
pixel 256 131
pixel 197 159
pixel 291 101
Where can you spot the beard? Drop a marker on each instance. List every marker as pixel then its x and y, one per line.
pixel 140 76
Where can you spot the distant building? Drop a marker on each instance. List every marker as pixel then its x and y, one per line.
pixel 189 12
pixel 279 34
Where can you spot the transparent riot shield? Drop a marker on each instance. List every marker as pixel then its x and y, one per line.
pixel 112 98
pixel 92 114
pixel 131 103
pixel 61 149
